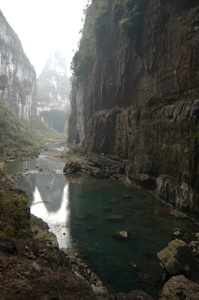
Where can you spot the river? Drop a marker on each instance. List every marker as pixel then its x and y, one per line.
pixel 76 211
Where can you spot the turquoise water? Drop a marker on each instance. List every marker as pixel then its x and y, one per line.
pixel 150 225
pixel 76 211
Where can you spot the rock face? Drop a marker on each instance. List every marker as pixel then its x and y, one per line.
pixel 137 97
pixel 17 75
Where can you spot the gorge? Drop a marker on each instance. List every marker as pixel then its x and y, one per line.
pixel 134 117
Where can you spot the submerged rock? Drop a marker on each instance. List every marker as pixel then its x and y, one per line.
pixel 121 235
pixel 127 196
pixel 179 287
pixel 113 201
pixel 115 218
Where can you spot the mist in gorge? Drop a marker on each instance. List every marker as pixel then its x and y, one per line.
pixel 99 147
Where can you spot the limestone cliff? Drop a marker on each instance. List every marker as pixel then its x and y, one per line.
pixel 137 96
pixel 17 75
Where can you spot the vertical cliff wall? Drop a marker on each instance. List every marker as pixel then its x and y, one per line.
pixel 17 75
pixel 137 97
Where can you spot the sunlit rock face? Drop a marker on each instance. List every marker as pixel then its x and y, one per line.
pixel 139 99
pixel 53 92
pixel 17 75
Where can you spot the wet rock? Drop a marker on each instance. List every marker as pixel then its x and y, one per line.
pixel 133 266
pixel 179 287
pixel 121 235
pixel 177 258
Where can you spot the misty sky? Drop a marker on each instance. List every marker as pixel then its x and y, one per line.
pixel 44 26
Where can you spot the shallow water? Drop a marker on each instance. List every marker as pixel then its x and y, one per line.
pixel 76 212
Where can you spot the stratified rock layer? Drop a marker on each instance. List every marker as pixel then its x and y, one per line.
pixel 17 75
pixel 139 100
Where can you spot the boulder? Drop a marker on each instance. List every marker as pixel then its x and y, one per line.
pixel 177 258
pixel 179 287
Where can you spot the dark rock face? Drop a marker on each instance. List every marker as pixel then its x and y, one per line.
pixel 17 75
pixel 139 101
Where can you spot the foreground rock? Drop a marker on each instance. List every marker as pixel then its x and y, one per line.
pixel 177 258
pixel 179 287
pixel 35 271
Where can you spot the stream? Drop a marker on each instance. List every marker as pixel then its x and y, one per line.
pixel 76 211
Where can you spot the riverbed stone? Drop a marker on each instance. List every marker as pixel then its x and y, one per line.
pixel 121 235
pixel 115 218
pixel 178 288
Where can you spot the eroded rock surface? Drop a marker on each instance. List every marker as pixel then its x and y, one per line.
pixel 179 288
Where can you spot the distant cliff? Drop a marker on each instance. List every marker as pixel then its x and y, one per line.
pixel 135 93
pixel 53 92
pixel 17 75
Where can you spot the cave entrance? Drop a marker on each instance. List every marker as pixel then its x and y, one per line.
pixel 55 119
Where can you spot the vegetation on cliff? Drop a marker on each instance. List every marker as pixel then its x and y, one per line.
pixel 19 138
pixel 100 17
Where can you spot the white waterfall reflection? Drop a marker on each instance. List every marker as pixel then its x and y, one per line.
pixel 57 221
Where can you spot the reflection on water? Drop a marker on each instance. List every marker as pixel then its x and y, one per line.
pixel 57 220
pixel 43 181
pixel 77 214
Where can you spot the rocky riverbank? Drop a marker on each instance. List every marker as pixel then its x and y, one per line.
pixel 33 267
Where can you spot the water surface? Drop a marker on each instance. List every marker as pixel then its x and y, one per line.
pixel 76 211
